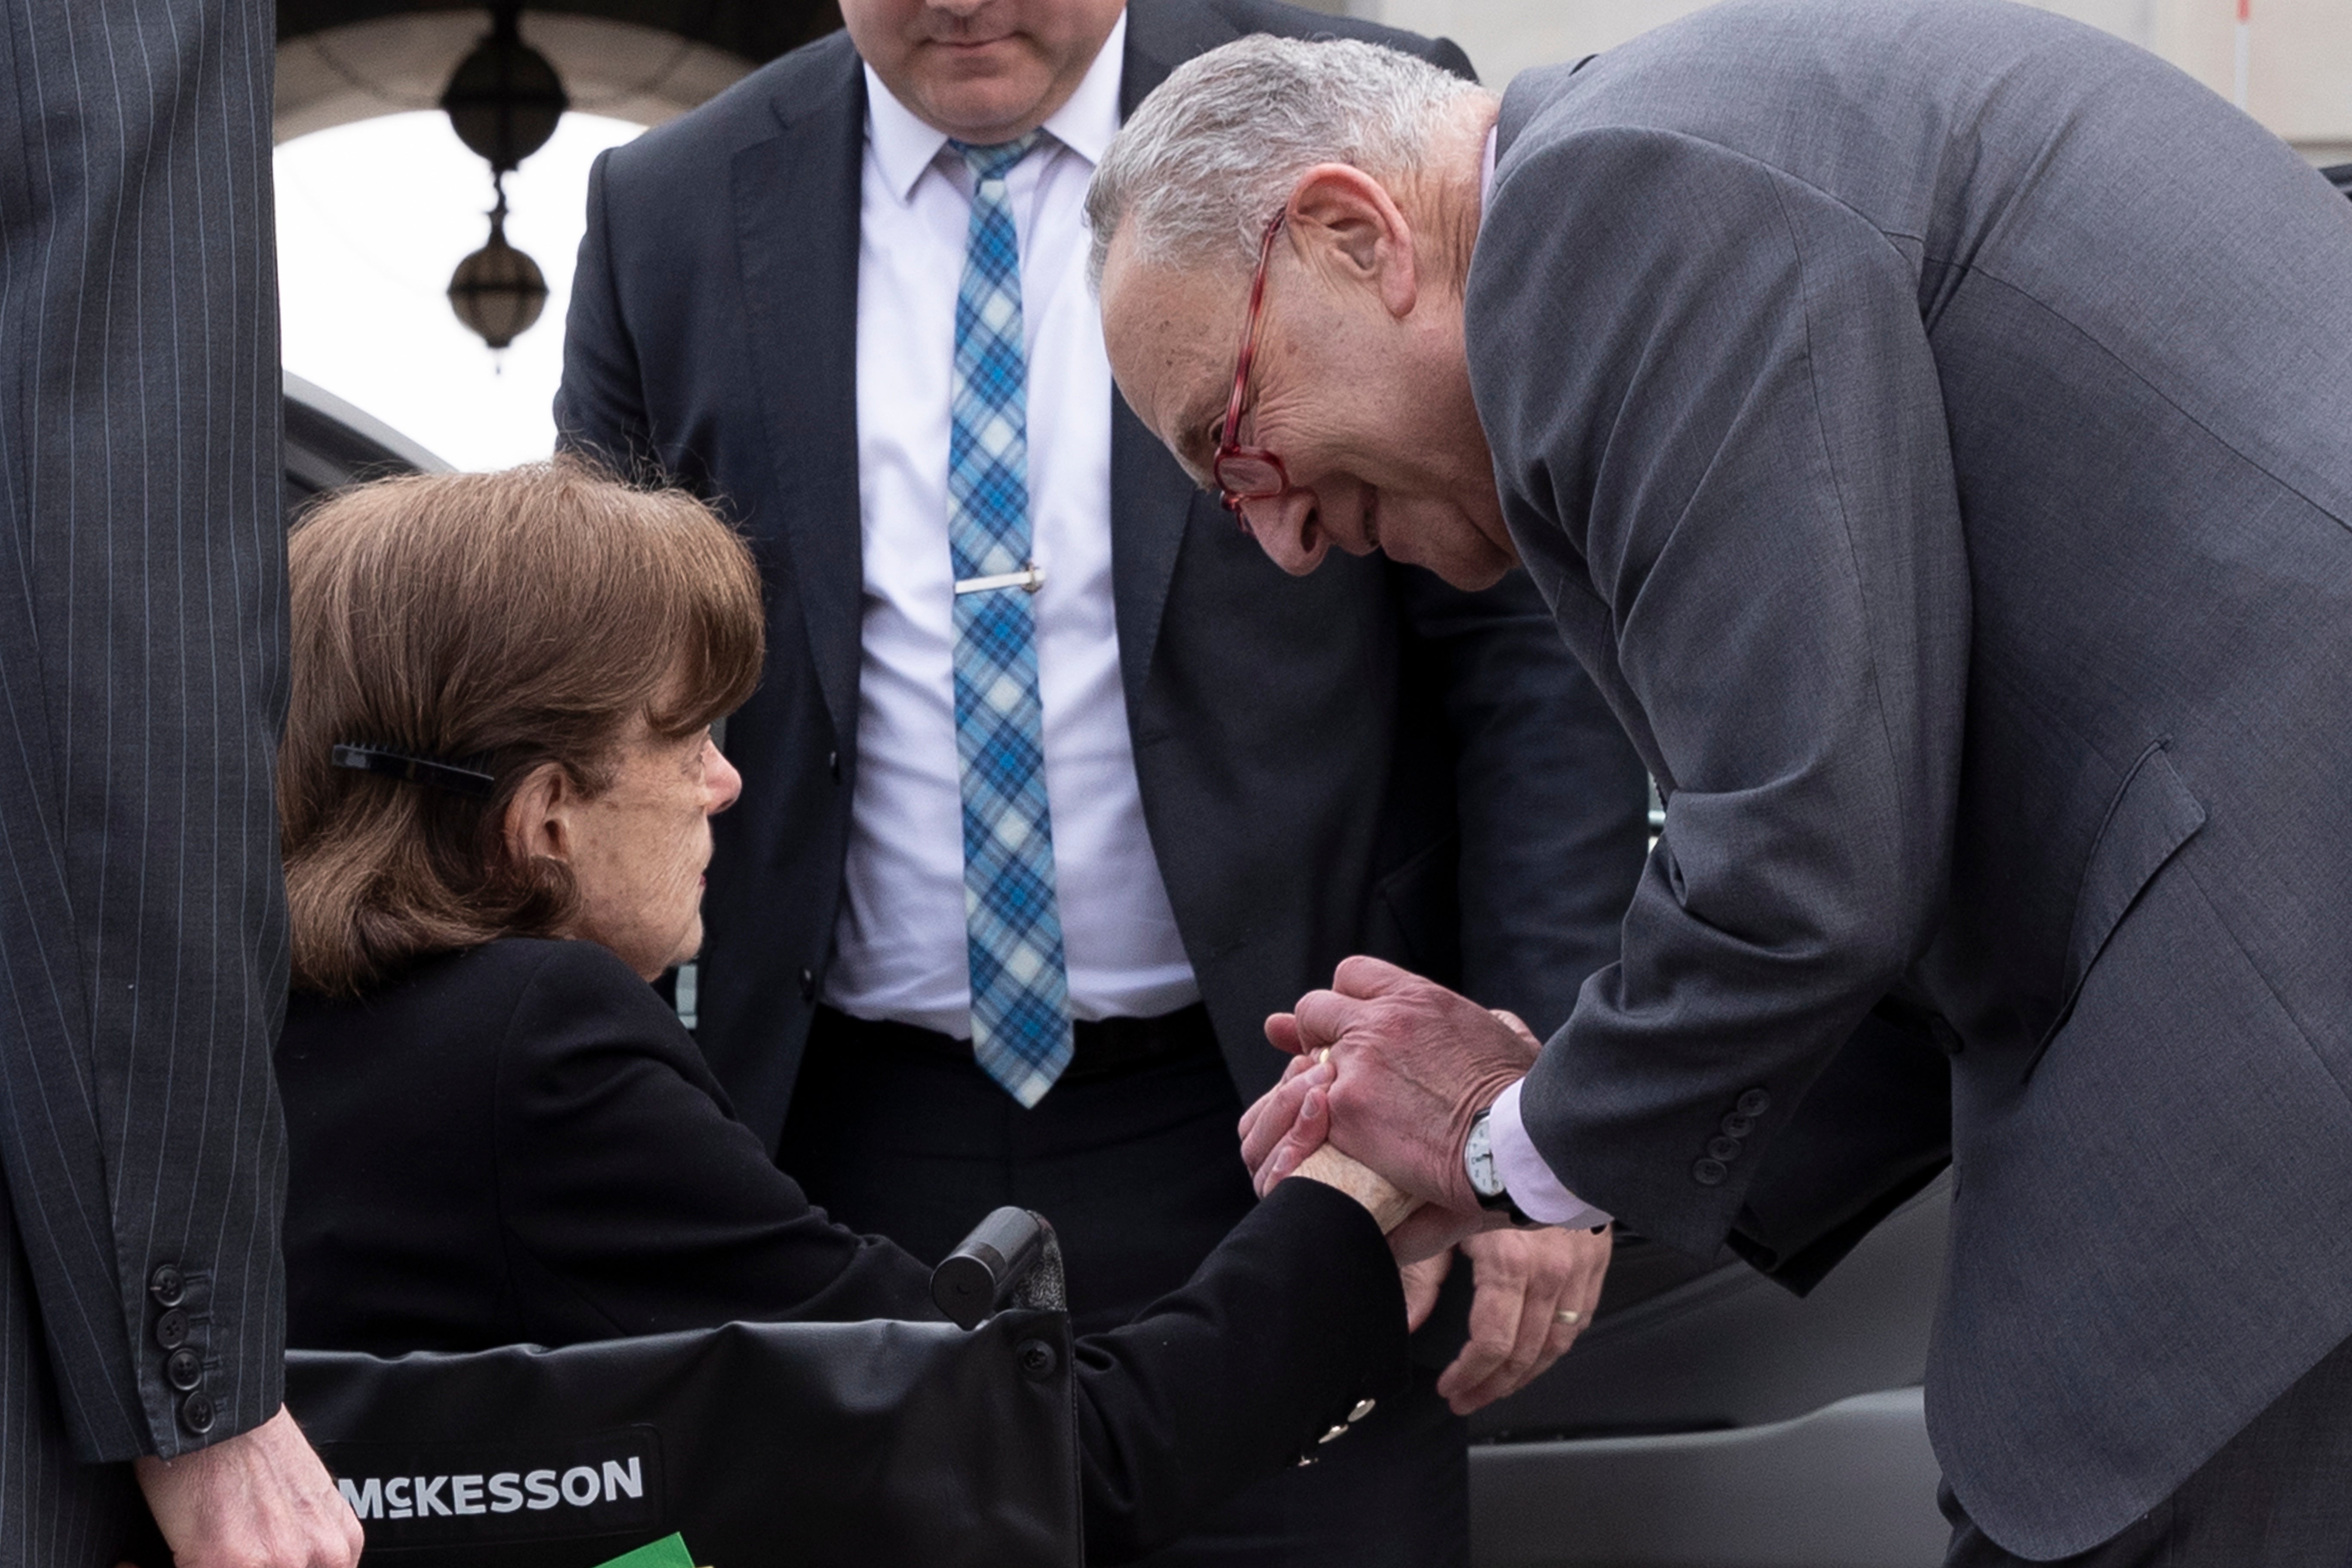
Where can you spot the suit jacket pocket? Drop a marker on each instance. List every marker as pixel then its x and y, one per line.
pixel 2152 815
pixel 1416 915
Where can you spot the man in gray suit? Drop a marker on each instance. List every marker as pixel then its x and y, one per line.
pixel 1929 422
pixel 143 669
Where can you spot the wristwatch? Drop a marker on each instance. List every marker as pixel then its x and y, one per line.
pixel 1479 1164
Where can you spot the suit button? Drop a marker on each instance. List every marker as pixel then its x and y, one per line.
pixel 168 1286
pixel 832 765
pixel 1737 1126
pixel 1724 1149
pixel 196 1414
pixel 1363 1408
pixel 1709 1172
pixel 172 1328
pixel 1755 1103
pixel 1339 1431
pixel 184 1369
pixel 808 985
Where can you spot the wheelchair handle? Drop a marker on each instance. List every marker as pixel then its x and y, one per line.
pixel 989 1265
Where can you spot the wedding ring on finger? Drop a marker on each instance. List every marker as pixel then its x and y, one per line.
pixel 1569 1316
pixel 1322 1056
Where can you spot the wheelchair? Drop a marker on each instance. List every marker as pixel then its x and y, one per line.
pixel 762 1445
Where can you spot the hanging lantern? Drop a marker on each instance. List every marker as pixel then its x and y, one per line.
pixel 498 292
pixel 504 100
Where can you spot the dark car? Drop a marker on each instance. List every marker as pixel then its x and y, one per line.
pixel 330 444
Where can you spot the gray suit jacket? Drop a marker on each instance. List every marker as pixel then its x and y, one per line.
pixel 142 947
pixel 1364 759
pixel 1930 423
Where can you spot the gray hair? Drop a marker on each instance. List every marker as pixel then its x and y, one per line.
pixel 1213 154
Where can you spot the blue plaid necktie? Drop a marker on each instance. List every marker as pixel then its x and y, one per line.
pixel 1020 989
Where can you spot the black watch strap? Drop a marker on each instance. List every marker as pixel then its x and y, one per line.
pixel 1502 1203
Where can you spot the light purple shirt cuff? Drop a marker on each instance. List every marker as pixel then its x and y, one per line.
pixel 1532 1185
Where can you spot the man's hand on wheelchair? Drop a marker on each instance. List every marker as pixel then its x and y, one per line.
pixel 259 1499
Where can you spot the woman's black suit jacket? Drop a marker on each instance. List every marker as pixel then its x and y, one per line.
pixel 521 1144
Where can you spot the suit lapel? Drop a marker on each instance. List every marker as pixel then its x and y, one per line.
pixel 1150 497
pixel 796 207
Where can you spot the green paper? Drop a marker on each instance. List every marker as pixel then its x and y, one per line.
pixel 668 1552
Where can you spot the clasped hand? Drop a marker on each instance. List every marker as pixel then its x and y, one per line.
pixel 1390 1069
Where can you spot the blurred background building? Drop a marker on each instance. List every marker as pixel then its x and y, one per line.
pixel 380 200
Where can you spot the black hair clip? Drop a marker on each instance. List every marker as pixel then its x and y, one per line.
pixel 415 770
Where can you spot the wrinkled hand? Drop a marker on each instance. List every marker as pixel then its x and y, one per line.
pixel 1381 1198
pixel 1392 1069
pixel 1423 1279
pixel 1425 1232
pixel 260 1499
pixel 1525 1278
pixel 1286 1123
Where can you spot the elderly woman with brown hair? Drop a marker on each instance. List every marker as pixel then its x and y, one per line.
pixel 496 785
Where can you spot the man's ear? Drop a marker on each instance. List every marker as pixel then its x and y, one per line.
pixel 538 817
pixel 1349 217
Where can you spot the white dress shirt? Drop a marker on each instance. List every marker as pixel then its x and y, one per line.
pixel 900 948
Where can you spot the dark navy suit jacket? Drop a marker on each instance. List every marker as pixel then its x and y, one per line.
pixel 1361 760
pixel 143 667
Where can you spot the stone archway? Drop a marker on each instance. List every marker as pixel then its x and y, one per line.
pixel 646 60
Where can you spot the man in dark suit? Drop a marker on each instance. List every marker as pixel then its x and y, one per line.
pixel 1039 715
pixel 143 936
pixel 1928 423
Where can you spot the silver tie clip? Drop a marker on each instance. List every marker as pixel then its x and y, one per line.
pixel 1029 579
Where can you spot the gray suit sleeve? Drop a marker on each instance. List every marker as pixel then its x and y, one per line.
pixel 1721 440
pixel 143 684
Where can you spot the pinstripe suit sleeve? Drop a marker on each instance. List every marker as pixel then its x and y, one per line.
pixel 143 942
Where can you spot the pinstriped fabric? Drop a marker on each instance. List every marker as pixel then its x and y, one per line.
pixel 143 942
pixel 53 1510
pixel 1019 985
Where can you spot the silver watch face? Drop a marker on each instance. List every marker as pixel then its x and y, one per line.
pixel 1478 1158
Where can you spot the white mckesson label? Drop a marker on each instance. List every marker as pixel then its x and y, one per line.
pixel 415 1494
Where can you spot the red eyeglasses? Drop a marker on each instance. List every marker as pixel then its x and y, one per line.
pixel 1245 474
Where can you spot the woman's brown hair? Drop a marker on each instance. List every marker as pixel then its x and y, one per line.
pixel 497 622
